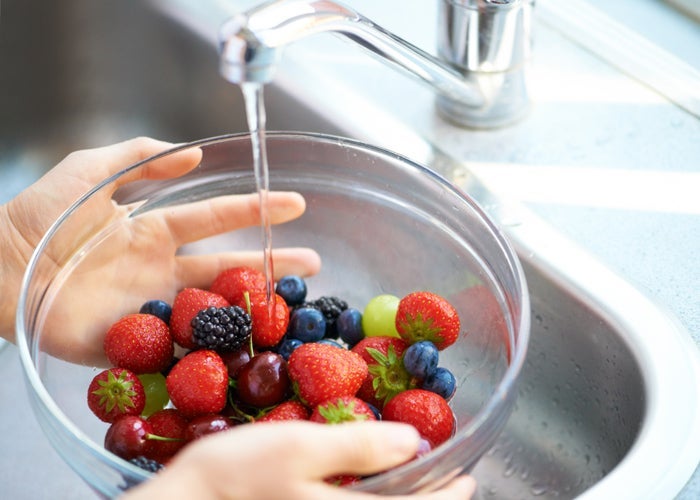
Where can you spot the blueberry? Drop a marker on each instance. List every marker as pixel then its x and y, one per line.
pixel 375 410
pixel 292 289
pixel 441 382
pixel 307 324
pixel 421 359
pixel 287 346
pixel 158 308
pixel 349 326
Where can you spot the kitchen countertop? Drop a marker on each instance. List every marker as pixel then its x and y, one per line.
pixel 603 158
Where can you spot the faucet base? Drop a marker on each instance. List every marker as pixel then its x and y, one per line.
pixel 512 105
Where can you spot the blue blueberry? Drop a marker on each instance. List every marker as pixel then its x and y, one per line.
pixel 292 289
pixel 421 359
pixel 349 326
pixel 157 308
pixel 307 324
pixel 287 346
pixel 375 410
pixel 441 382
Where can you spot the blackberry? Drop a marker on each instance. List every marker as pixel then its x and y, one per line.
pixel 221 328
pixel 146 464
pixel 331 307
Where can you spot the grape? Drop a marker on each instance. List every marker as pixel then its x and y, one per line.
pixel 379 316
pixel 156 392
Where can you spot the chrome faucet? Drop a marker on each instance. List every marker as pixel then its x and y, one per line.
pixel 484 49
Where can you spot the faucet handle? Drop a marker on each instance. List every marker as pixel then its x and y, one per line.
pixel 490 43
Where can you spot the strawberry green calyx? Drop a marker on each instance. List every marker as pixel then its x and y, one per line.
pixel 418 328
pixel 341 411
pixel 389 374
pixel 116 391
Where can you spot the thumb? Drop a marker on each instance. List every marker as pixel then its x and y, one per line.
pixel 358 448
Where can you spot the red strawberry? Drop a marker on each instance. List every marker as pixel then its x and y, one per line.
pixel 287 410
pixel 116 392
pixel 343 480
pixel 427 316
pixel 170 427
pixel 320 372
pixel 141 343
pixel 426 411
pixel 339 410
pixel 188 302
pixel 267 331
pixel 232 283
pixel 386 376
pixel 198 383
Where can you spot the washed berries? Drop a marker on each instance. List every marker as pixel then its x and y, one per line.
pixel 221 328
pixel 244 356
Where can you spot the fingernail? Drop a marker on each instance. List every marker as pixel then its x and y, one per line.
pixel 402 438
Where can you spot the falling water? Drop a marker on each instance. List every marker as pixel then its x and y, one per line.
pixel 255 111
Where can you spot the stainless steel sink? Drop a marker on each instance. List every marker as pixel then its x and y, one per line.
pixel 609 401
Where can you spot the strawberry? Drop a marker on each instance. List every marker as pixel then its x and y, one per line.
pixel 198 383
pixel 343 480
pixel 339 410
pixel 232 283
pixel 287 410
pixel 428 412
pixel 386 375
pixel 427 316
pixel 320 372
pixel 188 302
pixel 267 331
pixel 115 392
pixel 138 342
pixel 168 427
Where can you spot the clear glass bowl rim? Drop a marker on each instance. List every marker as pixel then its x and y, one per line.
pixel 504 387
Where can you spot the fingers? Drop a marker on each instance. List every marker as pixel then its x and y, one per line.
pixel 199 271
pixel 356 448
pixel 460 488
pixel 198 220
pixel 95 165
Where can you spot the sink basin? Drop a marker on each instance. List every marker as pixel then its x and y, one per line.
pixel 609 402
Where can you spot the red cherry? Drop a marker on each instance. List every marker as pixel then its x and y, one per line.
pixel 127 437
pixel 206 424
pixel 263 381
pixel 235 360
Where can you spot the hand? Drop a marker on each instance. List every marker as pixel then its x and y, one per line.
pixel 290 460
pixel 92 299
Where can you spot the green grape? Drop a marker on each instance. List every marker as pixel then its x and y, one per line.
pixel 156 392
pixel 379 316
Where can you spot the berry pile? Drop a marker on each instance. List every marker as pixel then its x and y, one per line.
pixel 223 357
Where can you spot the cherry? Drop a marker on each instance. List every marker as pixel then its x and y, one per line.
pixel 235 360
pixel 263 381
pixel 206 424
pixel 128 437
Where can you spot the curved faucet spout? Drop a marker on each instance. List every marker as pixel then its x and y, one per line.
pixel 251 43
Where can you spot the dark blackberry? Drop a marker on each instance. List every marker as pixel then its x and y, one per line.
pixel 147 464
pixel 331 307
pixel 221 328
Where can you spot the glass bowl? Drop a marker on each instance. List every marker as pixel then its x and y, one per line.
pixel 381 224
